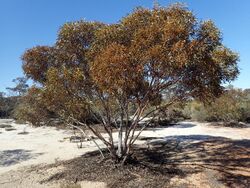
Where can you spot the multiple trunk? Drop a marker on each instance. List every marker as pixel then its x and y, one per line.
pixel 120 148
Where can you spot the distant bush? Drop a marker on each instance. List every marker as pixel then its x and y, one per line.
pixel 31 109
pixel 195 110
pixel 233 105
pixel 7 105
pixel 171 114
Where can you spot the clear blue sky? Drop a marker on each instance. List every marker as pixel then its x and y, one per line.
pixel 27 23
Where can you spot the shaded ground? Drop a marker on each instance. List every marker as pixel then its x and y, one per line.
pixel 198 160
pixel 12 157
pixel 5 126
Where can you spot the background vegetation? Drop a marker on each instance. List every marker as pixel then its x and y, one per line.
pixel 233 105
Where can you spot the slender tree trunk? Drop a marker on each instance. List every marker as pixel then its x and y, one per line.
pixel 120 140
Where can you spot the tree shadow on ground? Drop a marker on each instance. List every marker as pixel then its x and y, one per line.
pixel 174 125
pixel 221 162
pixel 185 125
pixel 12 157
pixel 228 160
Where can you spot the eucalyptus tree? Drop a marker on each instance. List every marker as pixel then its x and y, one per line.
pixel 120 73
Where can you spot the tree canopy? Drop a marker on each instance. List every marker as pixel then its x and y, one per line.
pixel 124 72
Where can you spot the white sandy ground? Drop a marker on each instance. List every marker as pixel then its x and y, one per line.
pixel 45 145
pixel 40 145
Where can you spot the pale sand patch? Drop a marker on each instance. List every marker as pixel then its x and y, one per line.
pixel 40 145
pixel 32 176
pixel 88 184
